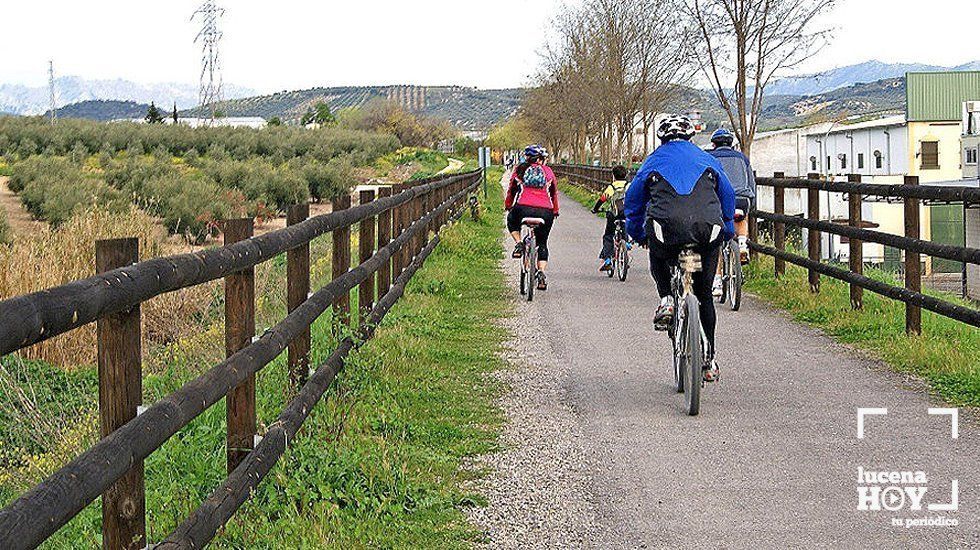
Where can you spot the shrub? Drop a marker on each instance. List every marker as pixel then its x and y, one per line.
pixel 5 235
pixel 54 188
pixel 328 180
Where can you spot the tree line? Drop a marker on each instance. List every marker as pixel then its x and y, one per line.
pixel 610 67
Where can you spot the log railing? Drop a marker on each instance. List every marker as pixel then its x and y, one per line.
pixel 911 194
pixel 596 178
pixel 405 221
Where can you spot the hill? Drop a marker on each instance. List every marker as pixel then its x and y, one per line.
pixel 841 77
pixel 34 100
pixel 465 108
pixel 104 110
pixel 883 96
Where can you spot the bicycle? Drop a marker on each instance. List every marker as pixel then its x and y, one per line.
pixel 622 245
pixel 686 333
pixel 529 260
pixel 732 276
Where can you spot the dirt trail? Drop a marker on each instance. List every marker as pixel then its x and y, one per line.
pixel 19 219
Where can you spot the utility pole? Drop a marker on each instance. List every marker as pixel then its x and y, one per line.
pixel 210 94
pixel 54 102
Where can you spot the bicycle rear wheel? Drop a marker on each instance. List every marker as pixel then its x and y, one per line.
pixel 531 253
pixel 693 355
pixel 725 275
pixel 622 261
pixel 735 278
pixel 678 344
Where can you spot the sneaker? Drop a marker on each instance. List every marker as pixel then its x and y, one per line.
pixel 711 371
pixel 716 290
pixel 665 314
pixel 542 281
pixel 518 251
pixel 606 265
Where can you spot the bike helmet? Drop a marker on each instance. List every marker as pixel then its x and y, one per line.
pixel 533 152
pixel 675 127
pixel 723 138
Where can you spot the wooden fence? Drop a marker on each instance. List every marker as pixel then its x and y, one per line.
pixel 394 240
pixel 910 193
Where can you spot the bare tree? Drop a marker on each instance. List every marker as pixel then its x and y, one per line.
pixel 743 44
pixel 609 69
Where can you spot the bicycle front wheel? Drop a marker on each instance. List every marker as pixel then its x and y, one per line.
pixel 693 355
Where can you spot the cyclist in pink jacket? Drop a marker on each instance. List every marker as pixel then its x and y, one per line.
pixel 533 193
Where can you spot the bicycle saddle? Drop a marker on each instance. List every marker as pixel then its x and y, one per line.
pixel 532 222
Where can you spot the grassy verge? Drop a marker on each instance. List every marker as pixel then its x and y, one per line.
pixel 580 195
pixel 947 355
pixel 378 463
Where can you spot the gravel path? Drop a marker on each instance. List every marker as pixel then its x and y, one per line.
pixel 599 454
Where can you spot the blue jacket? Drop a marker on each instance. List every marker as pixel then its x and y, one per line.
pixel 681 164
pixel 738 169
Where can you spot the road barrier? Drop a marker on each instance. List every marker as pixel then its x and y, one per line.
pixel 910 193
pixel 113 467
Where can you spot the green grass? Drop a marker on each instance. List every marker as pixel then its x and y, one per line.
pixel 580 195
pixel 379 463
pixel 947 355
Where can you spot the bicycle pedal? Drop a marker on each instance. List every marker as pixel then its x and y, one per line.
pixel 662 326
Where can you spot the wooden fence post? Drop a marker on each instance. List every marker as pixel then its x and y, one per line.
pixel 239 331
pixel 856 246
pixel 398 219
pixel 913 269
pixel 120 395
pixel 366 239
pixel 779 229
pixel 813 236
pixel 384 237
pixel 341 259
pixel 297 292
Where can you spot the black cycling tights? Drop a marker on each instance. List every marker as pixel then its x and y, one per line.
pixel 660 269
pixel 541 232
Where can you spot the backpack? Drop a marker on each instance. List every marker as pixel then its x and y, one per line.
pixel 535 177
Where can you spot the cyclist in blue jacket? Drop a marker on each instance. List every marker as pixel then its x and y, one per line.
pixel 680 197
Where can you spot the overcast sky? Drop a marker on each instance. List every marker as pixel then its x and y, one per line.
pixel 291 44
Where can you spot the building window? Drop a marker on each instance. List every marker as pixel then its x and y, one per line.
pixel 828 163
pixel 843 161
pixel 971 155
pixel 879 160
pixel 860 161
pixel 813 164
pixel 930 155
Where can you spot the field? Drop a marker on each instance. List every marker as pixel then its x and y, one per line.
pixel 380 462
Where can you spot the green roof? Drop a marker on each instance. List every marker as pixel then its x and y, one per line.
pixel 940 96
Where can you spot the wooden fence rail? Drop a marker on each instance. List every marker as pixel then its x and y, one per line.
pixel 910 193
pixel 40 512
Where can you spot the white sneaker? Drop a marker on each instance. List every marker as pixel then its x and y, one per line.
pixel 716 288
pixel 665 314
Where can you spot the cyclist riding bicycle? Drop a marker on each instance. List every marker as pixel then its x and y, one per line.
pixel 613 196
pixel 682 197
pixel 533 193
pixel 739 172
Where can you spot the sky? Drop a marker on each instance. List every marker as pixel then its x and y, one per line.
pixel 295 44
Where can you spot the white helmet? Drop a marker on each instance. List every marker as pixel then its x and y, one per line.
pixel 675 127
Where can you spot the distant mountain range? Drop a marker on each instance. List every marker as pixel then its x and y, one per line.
pixel 34 100
pixel 465 108
pixel 862 73
pixel 104 110
pixel 865 88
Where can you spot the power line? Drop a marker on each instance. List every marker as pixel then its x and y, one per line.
pixel 211 90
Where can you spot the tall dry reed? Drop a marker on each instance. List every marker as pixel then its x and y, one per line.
pixel 51 257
